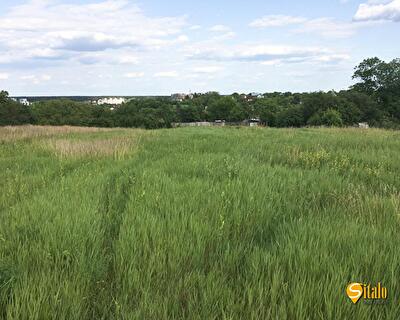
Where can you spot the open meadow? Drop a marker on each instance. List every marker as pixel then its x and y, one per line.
pixel 197 223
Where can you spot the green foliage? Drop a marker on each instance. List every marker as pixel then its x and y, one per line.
pixel 146 113
pixel 225 108
pixel 374 99
pixel 330 118
pixel 267 110
pixel 381 81
pixel 3 96
pixel 62 112
pixel 378 76
pixel 291 117
pixel 13 113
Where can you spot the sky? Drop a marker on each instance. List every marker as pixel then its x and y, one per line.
pixel 158 47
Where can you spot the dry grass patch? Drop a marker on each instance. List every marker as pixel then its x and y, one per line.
pixel 116 147
pixel 11 133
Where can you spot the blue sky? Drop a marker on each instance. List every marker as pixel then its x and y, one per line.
pixel 124 47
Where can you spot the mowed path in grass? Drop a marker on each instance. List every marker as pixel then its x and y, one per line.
pixel 197 223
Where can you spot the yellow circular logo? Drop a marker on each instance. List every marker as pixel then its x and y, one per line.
pixel 354 291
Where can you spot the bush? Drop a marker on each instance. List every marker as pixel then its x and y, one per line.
pixel 330 118
pixel 13 113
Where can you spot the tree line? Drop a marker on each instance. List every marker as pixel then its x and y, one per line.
pixel 375 99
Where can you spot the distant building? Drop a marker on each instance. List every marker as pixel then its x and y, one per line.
pixel 256 95
pixel 219 123
pixel 363 125
pixel 111 101
pixel 252 96
pixel 179 97
pixel 24 101
pixel 192 124
pixel 255 122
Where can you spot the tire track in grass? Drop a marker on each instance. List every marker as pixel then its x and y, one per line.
pixel 7 279
pixel 112 205
pixel 9 269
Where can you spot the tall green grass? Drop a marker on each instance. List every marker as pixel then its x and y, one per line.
pixel 198 223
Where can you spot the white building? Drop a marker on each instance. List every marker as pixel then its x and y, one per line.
pixel 181 96
pixel 24 101
pixel 178 97
pixel 257 95
pixel 363 125
pixel 111 101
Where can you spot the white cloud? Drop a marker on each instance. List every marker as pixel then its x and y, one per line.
pixel 183 38
pixel 4 76
pixel 127 59
pixel 167 74
pixel 326 27
pixel 265 54
pixel 195 27
pixel 329 27
pixel 379 10
pixel 134 75
pixel 50 30
pixel 220 28
pixel 207 69
pixel 46 77
pixel 224 36
pixel 332 57
pixel 112 57
pixel 272 62
pixel 36 79
pixel 276 21
pixel 28 77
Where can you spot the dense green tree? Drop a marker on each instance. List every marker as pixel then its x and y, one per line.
pixel 358 107
pixel 62 112
pixel 145 113
pixel 330 118
pixel 376 75
pixel 225 108
pixel 291 117
pixel 381 81
pixel 102 116
pixel 319 102
pixel 3 96
pixel 12 112
pixel 189 113
pixel 267 110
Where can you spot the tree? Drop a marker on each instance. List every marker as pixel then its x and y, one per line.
pixel 319 102
pixel 225 108
pixel 62 112
pixel 3 96
pixel 376 75
pixel 291 117
pixel 369 72
pixel 145 113
pixel 189 113
pixel 330 118
pixel 358 107
pixel 13 113
pixel 381 81
pixel 267 110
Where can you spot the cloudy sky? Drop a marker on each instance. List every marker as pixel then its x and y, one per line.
pixel 128 47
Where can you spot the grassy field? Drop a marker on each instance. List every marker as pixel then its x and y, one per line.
pixel 197 223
